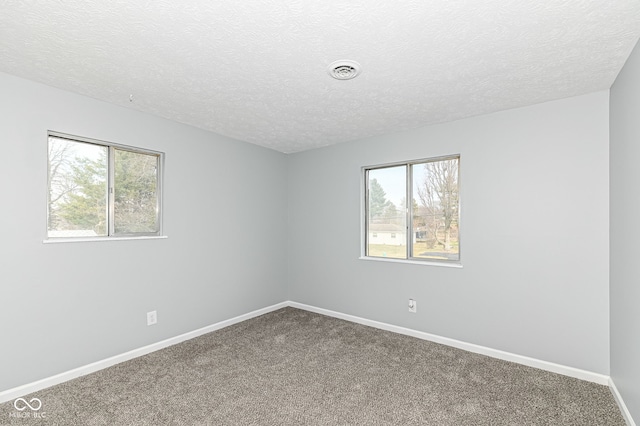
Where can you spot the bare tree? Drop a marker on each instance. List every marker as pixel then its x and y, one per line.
pixel 438 194
pixel 59 182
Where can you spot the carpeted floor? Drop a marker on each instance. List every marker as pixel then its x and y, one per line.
pixel 293 367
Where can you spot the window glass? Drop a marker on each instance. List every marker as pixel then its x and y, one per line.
pixel 135 192
pixel 386 217
pixel 434 214
pixel 78 182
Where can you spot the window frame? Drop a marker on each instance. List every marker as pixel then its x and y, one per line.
pixel 409 227
pixel 110 207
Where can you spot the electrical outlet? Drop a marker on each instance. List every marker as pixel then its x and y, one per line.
pixel 152 317
pixel 413 306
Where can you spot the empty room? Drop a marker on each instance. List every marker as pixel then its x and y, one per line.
pixel 319 212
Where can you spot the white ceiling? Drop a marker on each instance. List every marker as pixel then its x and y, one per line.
pixel 256 70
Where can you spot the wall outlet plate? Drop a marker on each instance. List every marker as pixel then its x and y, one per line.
pixel 152 317
pixel 413 306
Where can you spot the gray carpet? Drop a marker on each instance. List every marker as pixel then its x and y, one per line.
pixel 292 367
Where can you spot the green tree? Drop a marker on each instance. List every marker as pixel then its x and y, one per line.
pixel 86 207
pixel 391 213
pixel 377 199
pixel 135 192
pixel 134 196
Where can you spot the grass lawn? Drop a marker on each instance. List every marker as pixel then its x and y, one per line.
pixel 400 252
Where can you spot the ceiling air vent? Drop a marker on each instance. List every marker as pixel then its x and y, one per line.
pixel 344 70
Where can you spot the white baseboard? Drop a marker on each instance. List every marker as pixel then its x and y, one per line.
pixel 28 388
pixel 623 407
pixel 19 391
pixel 494 353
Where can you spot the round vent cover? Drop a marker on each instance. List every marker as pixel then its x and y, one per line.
pixel 344 70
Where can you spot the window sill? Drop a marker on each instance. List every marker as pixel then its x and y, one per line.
pixel 91 239
pixel 414 262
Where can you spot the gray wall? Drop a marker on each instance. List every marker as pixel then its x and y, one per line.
pixel 535 218
pixel 625 233
pixel 67 305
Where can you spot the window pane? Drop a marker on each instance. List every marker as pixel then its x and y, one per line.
pixel 386 217
pixel 435 208
pixel 135 192
pixel 77 198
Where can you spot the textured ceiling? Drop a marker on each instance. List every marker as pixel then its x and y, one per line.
pixel 257 70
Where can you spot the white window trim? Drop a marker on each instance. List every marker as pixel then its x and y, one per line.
pixel 96 239
pixel 446 264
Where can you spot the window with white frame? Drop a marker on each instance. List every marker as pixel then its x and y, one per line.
pixel 99 189
pixel 412 210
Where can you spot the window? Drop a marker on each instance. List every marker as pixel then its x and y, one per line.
pixel 97 189
pixel 413 210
